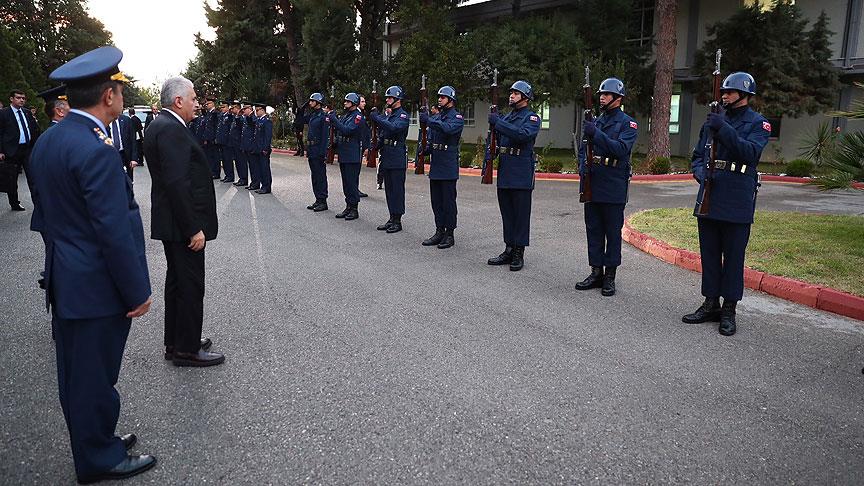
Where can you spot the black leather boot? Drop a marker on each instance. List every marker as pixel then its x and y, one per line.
pixel 321 205
pixel 385 226
pixel 397 224
pixel 353 213
pixel 608 289
pixel 518 261
pixel 434 239
pixel 708 311
pixel 448 240
pixel 727 318
pixel 312 206
pixel 593 281
pixel 344 212
pixel 503 258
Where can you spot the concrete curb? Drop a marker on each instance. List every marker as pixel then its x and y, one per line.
pixel 816 296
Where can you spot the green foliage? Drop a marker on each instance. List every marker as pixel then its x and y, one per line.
pixel 845 162
pixel 817 144
pixel 800 168
pixel 328 52
pixel 659 165
pixel 550 164
pixel 479 154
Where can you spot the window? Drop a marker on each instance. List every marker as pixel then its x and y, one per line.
pixel 468 114
pixel 415 116
pixel 775 128
pixel 544 115
pixel 674 109
pixel 641 28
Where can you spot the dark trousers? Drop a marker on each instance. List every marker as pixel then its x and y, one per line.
pixel 184 297
pixel 515 205
pixel 379 175
pixel 264 171
pixel 722 246
pixel 140 146
pixel 127 165
pixel 21 159
pixel 89 355
pixel 350 183
pixel 394 189
pixel 319 177
pixel 443 196
pixel 603 223
pixel 254 174
pixel 242 159
pixel 227 161
pixel 212 152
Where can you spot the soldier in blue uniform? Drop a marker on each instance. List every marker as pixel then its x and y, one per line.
pixel 442 144
pixel 740 134
pixel 263 147
pixel 226 155
pixel 612 136
pixel 207 129
pixel 317 138
pixel 516 133
pixel 392 130
pixel 193 126
pixel 95 266
pixel 349 133
pixel 247 146
pixel 232 145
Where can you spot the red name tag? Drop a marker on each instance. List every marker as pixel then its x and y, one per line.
pixel 766 126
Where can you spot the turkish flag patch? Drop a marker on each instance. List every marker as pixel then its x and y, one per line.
pixel 633 125
pixel 459 116
pixel 357 119
pixel 403 115
pixel 534 118
pixel 766 126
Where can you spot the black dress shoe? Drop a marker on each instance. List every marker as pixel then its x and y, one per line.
pixel 253 188
pixel 129 440
pixel 352 214
pixel 517 261
pixel 502 259
pixel 241 183
pixel 312 206
pixel 206 344
pixel 343 213
pixel 18 207
pixel 320 206
pixel 434 239
pixel 708 311
pixel 363 194
pixel 608 289
pixel 447 242
pixel 395 227
pixel 263 191
pixel 228 181
pixel 385 226
pixel 727 318
pixel 593 281
pixel 199 359
pixel 131 466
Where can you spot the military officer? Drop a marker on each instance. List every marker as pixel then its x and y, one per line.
pixel 516 133
pixel 263 147
pixel 223 127
pixel 349 135
pixel 392 130
pixel 612 137
pixel 247 146
pixel 318 136
pixel 442 144
pixel 208 128
pixel 56 104
pixel 232 145
pixel 95 266
pixel 740 134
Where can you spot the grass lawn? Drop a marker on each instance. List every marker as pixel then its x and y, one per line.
pixel 820 249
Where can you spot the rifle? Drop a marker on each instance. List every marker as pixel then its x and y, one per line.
pixel 585 193
pixel 703 206
pixel 372 158
pixel 419 164
pixel 331 143
pixel 489 161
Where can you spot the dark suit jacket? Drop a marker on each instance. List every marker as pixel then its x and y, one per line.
pixel 9 133
pixel 130 148
pixel 148 120
pixel 182 195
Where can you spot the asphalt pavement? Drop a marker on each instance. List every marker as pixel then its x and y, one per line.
pixel 357 357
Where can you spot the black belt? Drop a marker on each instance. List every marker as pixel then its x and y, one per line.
pixel 510 151
pixel 389 143
pixel 440 146
pixel 740 167
pixel 607 161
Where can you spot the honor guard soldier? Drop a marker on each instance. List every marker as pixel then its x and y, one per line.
pixel 247 146
pixel 349 133
pixel 442 145
pixel 95 267
pixel 263 147
pixel 392 130
pixel 232 145
pixel 516 133
pixel 740 135
pixel 612 136
pixel 223 126
pixel 318 136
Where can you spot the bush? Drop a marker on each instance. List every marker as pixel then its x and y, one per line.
pixel 659 165
pixel 800 168
pixel 549 164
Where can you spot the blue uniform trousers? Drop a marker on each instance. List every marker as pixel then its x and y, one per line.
pixel 212 152
pixel 227 161
pixel 89 355
pixel 319 177
pixel 722 245
pixel 242 159
pixel 443 196
pixel 394 189
pixel 350 183
pixel 264 174
pixel 254 169
pixel 515 205
pixel 603 223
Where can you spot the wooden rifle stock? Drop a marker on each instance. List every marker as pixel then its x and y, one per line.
pixel 372 156
pixel 420 163
pixel 331 143
pixel 585 194
pixel 489 161
pixel 703 206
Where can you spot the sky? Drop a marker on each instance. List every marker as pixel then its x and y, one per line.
pixel 157 37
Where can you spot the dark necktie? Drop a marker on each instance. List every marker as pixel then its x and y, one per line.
pixel 24 127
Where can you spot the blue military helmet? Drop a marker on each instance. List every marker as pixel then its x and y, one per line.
pixel 317 97
pixel 448 91
pixel 740 81
pixel 353 98
pixel 612 86
pixel 395 92
pixel 524 88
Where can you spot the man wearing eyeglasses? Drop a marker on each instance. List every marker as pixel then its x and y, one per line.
pixel 18 132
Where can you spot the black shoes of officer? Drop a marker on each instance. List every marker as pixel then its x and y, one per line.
pixel 517 259
pixel 206 344
pixel 385 226
pixel 593 281
pixel 253 188
pixel 129 440
pixel 18 207
pixel 380 186
pixel 131 466
pixel 396 226
pixel 200 359
pixel 504 258
pixel 434 239
pixel 344 212
pixel 363 194
pixel 318 205
pixel 263 191
pixel 727 318
pixel 709 311
pixel 352 213
pixel 241 183
pixel 448 240
pixel 608 289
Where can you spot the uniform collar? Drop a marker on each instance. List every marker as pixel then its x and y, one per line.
pixel 92 118
pixel 613 111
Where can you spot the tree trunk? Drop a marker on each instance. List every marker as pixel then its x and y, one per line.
pixel 289 11
pixel 665 59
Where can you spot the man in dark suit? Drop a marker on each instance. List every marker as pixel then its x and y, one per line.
pixel 137 135
pixel 123 136
pixel 95 263
pixel 154 112
pixel 18 132
pixel 184 218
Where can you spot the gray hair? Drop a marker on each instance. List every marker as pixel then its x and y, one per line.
pixel 172 88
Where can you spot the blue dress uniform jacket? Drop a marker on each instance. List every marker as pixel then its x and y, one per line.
pixel 445 132
pixel 247 138
pixel 210 125
pixel 614 139
pixel 349 134
pixel 263 135
pixel 318 135
pixel 223 127
pixel 741 141
pixel 516 134
pixel 95 264
pixel 235 131
pixel 392 131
